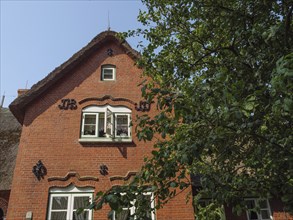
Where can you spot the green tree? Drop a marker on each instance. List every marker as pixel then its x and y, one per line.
pixel 221 76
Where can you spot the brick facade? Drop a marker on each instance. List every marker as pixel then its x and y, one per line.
pixel 52 135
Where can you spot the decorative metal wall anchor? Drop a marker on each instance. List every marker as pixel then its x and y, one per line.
pixel 103 169
pixel 143 106
pixel 39 170
pixel 68 104
pixel 110 52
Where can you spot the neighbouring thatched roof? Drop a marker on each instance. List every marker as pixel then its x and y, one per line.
pixel 10 131
pixel 18 106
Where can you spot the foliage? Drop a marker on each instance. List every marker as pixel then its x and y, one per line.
pixel 212 212
pixel 221 75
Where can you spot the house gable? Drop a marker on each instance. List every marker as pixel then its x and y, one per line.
pixel 19 105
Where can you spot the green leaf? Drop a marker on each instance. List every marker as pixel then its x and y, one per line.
pixel 114 205
pixel 288 105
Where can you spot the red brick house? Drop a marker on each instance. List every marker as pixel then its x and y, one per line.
pixel 77 140
pixel 76 135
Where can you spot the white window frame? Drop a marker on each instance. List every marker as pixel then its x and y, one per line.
pixel 70 192
pixel 96 124
pixel 116 123
pixel 109 124
pixel 132 209
pixel 108 67
pixel 256 202
pixel 113 112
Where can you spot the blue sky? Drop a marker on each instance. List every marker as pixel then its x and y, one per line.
pixel 38 36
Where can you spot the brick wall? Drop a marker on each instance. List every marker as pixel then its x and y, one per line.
pixel 51 135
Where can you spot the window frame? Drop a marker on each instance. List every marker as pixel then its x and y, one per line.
pixel 108 67
pixel 256 202
pixel 96 124
pixel 70 193
pixel 116 124
pixel 109 136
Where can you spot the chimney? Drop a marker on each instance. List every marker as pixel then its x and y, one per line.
pixel 21 92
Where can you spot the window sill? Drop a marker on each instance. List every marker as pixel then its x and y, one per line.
pixel 105 140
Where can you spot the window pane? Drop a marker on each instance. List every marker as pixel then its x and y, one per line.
pixel 101 125
pixel 265 214
pixel 108 71
pixel 90 119
pixel 250 204
pixel 122 125
pixel 89 130
pixel 59 203
pixel 263 204
pixel 122 119
pixel 58 215
pixel 80 202
pixel 82 216
pixel 145 201
pixel 253 215
pixel 108 76
pixel 122 130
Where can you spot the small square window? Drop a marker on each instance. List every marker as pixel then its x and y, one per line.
pixel 108 72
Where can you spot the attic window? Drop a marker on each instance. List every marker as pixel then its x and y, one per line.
pixel 108 73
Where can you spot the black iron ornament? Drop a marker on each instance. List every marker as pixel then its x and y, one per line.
pixel 143 106
pixel 103 169
pixel 39 170
pixel 110 52
pixel 68 104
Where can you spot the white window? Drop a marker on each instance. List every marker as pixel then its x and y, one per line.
pixel 122 127
pixel 127 213
pixel 258 209
pixel 63 203
pixel 104 123
pixel 108 72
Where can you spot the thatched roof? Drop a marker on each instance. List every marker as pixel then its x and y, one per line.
pixel 10 131
pixel 18 106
